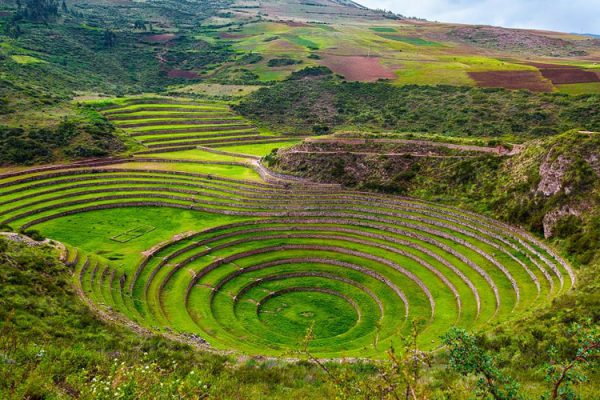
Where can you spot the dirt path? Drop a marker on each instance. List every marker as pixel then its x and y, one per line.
pixel 500 150
pixel 365 153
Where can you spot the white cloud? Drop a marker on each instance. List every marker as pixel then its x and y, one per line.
pixel 579 16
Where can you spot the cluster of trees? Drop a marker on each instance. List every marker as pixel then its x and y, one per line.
pixel 282 62
pixel 87 135
pixel 40 10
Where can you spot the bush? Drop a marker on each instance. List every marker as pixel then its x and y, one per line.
pixel 6 228
pixel 567 226
pixel 311 72
pixel 321 129
pixel 34 234
pixel 282 62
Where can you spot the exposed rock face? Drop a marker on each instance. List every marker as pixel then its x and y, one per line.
pixel 552 174
pixel 594 160
pixel 550 219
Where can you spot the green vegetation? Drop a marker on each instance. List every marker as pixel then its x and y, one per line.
pixel 88 134
pixel 52 346
pixel 299 105
pixel 162 125
pixel 580 88
pixel 282 62
pixel 411 40
pixel 383 29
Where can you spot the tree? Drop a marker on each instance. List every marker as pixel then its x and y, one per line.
pixel 109 38
pixel 467 358
pixel 398 378
pixel 12 29
pixel 39 10
pixel 562 374
pixel 139 24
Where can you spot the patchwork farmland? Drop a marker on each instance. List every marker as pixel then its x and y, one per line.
pixel 219 251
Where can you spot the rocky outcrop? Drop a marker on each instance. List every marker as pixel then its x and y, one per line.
pixel 551 218
pixel 552 173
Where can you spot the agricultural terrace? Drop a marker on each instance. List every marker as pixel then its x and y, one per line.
pixel 165 126
pixel 234 257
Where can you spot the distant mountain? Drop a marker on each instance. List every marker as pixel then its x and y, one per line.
pixel 350 3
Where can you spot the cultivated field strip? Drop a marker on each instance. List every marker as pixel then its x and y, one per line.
pixel 170 125
pixel 357 265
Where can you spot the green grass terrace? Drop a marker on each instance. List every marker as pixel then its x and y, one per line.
pixel 165 125
pixel 235 258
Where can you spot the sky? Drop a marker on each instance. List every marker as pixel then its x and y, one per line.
pixel 576 16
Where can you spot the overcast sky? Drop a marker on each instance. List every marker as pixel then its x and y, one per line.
pixel 578 16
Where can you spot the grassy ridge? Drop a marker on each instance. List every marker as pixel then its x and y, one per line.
pixel 84 135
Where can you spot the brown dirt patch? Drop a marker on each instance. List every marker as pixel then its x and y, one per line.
pixel 358 68
pixel 295 24
pixel 179 73
pixel 560 76
pixel 162 38
pixel 530 80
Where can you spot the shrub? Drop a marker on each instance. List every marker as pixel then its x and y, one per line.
pixel 311 72
pixel 568 226
pixel 320 129
pixel 5 228
pixel 282 62
pixel 34 234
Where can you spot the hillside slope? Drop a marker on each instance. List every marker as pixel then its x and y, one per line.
pixel 324 103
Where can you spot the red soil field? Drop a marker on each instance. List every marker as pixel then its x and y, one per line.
pixel 162 38
pixel 560 76
pixel 531 80
pixel 358 68
pixel 179 73
pixel 564 74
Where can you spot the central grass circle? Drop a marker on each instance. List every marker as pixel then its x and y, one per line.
pixel 291 314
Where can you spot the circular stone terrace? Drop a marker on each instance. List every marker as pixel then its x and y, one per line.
pixel 355 268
